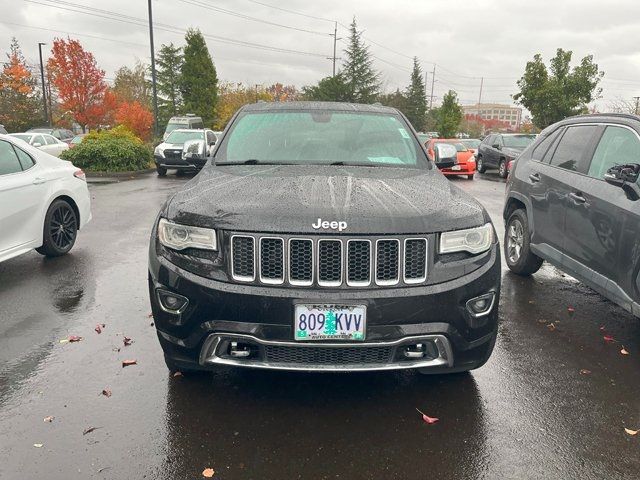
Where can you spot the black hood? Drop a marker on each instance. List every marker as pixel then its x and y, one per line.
pixel 289 199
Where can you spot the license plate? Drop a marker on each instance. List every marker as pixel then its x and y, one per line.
pixel 456 167
pixel 330 322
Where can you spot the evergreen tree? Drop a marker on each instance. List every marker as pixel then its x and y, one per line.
pixel 168 80
pixel 416 110
pixel 361 79
pixel 199 82
pixel 449 115
pixel 329 89
pixel 20 102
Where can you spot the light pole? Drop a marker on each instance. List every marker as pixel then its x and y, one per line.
pixel 153 73
pixel 44 90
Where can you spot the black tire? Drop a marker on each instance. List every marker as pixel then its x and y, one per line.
pixel 502 168
pixel 470 177
pixel 520 261
pixel 60 229
pixel 161 171
pixel 480 166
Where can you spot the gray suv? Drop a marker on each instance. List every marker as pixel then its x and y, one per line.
pixel 572 200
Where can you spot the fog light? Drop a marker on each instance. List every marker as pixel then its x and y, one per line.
pixel 239 350
pixel 172 302
pixel 415 351
pixel 482 305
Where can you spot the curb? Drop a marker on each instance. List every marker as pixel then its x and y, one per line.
pixel 111 177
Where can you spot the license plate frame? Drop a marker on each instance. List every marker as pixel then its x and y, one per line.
pixel 349 322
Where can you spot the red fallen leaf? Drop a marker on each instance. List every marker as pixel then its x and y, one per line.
pixel 427 419
pixel 106 392
pixel 584 371
pixel 74 338
pixel 127 363
pixel 208 473
pixel 624 351
pixel 609 338
pixel 98 329
pixel 571 309
pixel 127 341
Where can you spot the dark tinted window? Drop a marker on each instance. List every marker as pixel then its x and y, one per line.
pixel 498 141
pixel 25 160
pixel 8 159
pixel 489 140
pixel 618 146
pixel 543 147
pixel 571 152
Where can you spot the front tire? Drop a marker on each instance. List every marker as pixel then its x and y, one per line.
pixel 60 229
pixel 480 165
pixel 502 169
pixel 517 248
pixel 161 171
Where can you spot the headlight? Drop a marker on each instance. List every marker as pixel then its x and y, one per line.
pixel 472 240
pixel 179 237
pixel 158 151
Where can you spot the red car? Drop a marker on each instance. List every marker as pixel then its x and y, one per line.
pixel 466 159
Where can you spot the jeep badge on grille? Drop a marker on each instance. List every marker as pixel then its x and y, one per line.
pixel 340 226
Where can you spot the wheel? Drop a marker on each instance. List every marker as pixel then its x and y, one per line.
pixel 480 165
pixel 517 251
pixel 502 168
pixel 161 171
pixel 60 229
pixel 470 177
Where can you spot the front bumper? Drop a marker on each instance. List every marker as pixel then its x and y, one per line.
pixel 261 319
pixel 177 164
pixel 468 168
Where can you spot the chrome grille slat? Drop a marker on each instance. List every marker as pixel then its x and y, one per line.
pixel 328 262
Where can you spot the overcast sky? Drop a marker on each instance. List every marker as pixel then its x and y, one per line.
pixel 466 39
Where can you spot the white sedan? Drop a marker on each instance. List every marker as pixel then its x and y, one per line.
pixel 44 201
pixel 42 141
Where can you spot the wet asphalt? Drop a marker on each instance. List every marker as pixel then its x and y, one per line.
pixel 552 402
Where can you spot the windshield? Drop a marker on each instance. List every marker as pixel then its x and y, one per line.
pixel 459 146
pixel 471 143
pixel 321 137
pixel 518 141
pixel 22 136
pixel 77 139
pixel 180 137
pixel 173 126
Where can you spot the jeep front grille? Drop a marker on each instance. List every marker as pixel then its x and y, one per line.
pixel 328 262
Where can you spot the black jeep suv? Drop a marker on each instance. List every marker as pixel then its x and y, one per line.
pixel 573 200
pixel 498 149
pixel 320 237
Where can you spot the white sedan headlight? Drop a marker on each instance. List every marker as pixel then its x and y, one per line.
pixel 472 240
pixel 159 151
pixel 179 237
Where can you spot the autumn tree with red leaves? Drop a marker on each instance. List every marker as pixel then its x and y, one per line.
pixel 20 106
pixel 79 82
pixel 136 118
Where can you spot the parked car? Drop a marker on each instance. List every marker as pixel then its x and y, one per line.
pixel 573 200
pixel 3 131
pixel 168 155
pixel 44 201
pixel 46 143
pixel 465 161
pixel 497 149
pixel 472 144
pixel 188 122
pixel 77 140
pixel 316 239
pixel 61 134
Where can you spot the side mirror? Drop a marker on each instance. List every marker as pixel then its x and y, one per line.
pixel 194 150
pixel 496 146
pixel 446 155
pixel 36 144
pixel 625 177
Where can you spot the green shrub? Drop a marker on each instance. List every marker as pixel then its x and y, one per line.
pixel 115 150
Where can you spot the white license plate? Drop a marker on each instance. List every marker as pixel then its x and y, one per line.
pixel 330 322
pixel 456 167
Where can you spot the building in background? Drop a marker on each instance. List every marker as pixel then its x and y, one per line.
pixel 495 116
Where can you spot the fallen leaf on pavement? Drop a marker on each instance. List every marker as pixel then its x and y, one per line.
pixel 99 327
pixel 177 374
pixel 584 371
pixel 64 340
pixel 571 309
pixel 602 329
pixel 49 419
pixel 106 392
pixel 624 351
pixel 37 445
pixel 208 472
pixel 542 320
pixel 127 341
pixel 89 430
pixel 74 338
pixel 631 432
pixel 150 315
pixel 427 419
pixel 609 338
pixel 551 327
pixel 127 363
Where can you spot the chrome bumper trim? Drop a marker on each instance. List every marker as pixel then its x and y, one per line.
pixel 208 354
